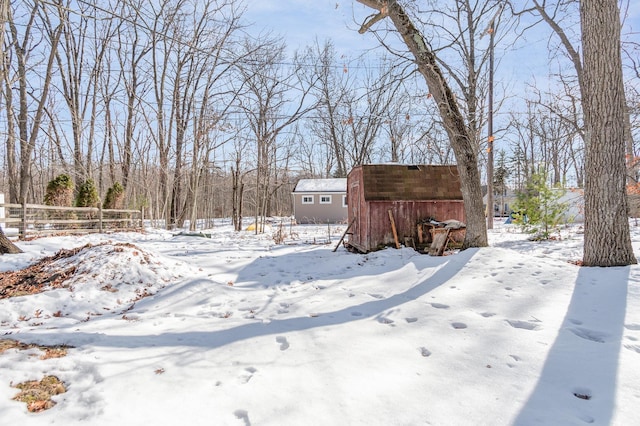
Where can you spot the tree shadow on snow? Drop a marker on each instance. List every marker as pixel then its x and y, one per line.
pixel 215 339
pixel 578 381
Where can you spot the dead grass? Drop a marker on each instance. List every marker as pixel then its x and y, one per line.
pixel 37 394
pixel 57 351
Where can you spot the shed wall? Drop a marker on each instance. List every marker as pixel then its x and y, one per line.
pixel 375 230
pixel 371 229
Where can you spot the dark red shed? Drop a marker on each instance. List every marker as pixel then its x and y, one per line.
pixel 412 193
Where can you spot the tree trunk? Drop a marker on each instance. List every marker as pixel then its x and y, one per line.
pixel 607 241
pixel 461 142
pixel 6 246
pixel 12 164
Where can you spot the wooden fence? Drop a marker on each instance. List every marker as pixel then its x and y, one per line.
pixel 41 220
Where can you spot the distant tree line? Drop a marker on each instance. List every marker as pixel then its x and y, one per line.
pixel 191 118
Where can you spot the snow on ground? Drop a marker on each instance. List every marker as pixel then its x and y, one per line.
pixel 236 330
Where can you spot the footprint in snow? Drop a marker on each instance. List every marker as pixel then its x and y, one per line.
pixel 634 348
pixel 582 393
pixel 385 320
pixel 440 306
pixel 424 352
pixel 525 325
pixel 246 377
pixel 587 334
pixel 458 325
pixel 515 358
pixel 284 344
pixel 243 415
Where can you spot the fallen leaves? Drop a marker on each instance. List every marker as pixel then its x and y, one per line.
pixel 55 351
pixel 37 394
pixel 46 274
pixel 39 276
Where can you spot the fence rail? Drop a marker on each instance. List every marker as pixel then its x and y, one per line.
pixel 39 220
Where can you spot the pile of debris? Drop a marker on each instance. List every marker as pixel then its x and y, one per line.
pixel 435 237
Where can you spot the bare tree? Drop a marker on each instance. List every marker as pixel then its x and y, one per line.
pixel 275 98
pixel 334 83
pixel 109 85
pixel 214 62
pixel 463 142
pixel 163 41
pixel 431 146
pixel 29 125
pixel 607 240
pixel 7 92
pixel 134 48
pixel 547 137
pixel 599 75
pixel 239 172
pixel 401 128
pixel 367 110
pixel 72 76
pixel 6 246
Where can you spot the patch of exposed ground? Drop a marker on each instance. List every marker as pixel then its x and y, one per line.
pixel 43 275
pixel 37 393
pixel 57 351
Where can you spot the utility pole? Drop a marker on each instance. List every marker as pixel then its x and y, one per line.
pixel 491 30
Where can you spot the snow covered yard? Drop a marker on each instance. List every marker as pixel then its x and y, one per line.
pixel 235 330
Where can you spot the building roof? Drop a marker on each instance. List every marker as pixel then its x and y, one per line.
pixel 321 185
pixel 391 182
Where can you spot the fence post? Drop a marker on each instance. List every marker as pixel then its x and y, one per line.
pixel 100 218
pixel 23 225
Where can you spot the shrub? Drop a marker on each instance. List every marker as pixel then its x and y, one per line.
pixel 87 194
pixel 59 192
pixel 114 198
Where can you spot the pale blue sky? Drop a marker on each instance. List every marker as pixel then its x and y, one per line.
pixel 519 66
pixel 300 21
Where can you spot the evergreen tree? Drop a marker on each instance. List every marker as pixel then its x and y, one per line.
pixel 114 198
pixel 538 207
pixel 59 191
pixel 87 195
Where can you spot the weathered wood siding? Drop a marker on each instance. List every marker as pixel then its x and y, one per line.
pixel 422 193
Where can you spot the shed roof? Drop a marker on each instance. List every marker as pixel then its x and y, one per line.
pixel 395 182
pixel 321 185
